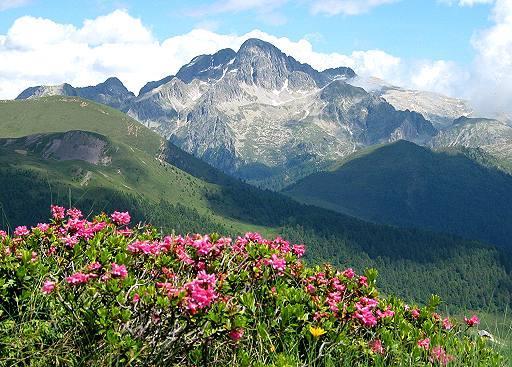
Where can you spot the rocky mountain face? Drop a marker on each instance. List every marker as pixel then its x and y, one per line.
pixel 438 109
pixel 71 145
pixel 492 136
pixel 111 92
pixel 258 113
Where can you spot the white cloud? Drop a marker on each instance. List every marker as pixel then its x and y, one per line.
pixel 346 7
pixel 10 4
pixel 39 51
pixel 491 88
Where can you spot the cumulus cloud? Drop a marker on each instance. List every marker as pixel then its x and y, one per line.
pixel 41 51
pixel 491 88
pixel 346 7
pixel 38 51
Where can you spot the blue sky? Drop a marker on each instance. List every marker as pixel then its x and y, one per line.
pixel 408 28
pixel 460 48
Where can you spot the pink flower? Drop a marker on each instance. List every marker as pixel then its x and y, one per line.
pixel 278 263
pixel 146 247
pixel 119 271
pixel 51 251
pixel 299 250
pixel 203 246
pixel 424 343
pixel 236 334
pixel 43 227
pixel 74 213
pixel 3 234
pixel 136 298
pixel 78 278
pixel 439 355
pixel 121 218
pixel 93 266
pixel 364 311
pixel 415 313
pixel 376 346
pixel 363 281
pixel 387 313
pixel 200 292
pixel 48 287
pixel 34 256
pixel 254 237
pixel 349 273
pixel 181 253
pixel 57 212
pixel 70 241
pixel 310 288
pixel 21 231
pixel 474 320
pixel 366 317
pixel 447 325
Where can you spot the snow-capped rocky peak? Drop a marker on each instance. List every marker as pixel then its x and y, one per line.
pixel 258 112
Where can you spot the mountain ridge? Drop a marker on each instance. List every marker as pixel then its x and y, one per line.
pixel 258 112
pixel 406 185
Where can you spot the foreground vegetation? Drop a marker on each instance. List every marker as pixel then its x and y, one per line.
pixel 98 292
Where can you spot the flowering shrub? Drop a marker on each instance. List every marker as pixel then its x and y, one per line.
pixel 129 296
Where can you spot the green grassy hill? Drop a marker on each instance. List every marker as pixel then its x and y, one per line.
pixel 159 183
pixel 410 186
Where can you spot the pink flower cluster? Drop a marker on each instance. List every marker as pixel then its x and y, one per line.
pixel 58 212
pixel 364 311
pixel 447 325
pixel 78 278
pixel 376 346
pixel 424 343
pixel 278 263
pixel 439 356
pixel 474 320
pixel 386 313
pixel 148 247
pixel 200 292
pixel 121 218
pixel 236 334
pixel 21 231
pixel 48 287
pixel 118 271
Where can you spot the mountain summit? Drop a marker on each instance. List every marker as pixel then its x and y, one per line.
pixel 258 113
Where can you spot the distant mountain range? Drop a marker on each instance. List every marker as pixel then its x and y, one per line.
pixel 262 116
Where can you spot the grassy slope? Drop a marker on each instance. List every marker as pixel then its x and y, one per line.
pixel 134 169
pixel 407 185
pixel 227 202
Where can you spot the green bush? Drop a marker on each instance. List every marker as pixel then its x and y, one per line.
pixel 80 292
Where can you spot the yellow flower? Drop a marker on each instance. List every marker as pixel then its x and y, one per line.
pixel 316 331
